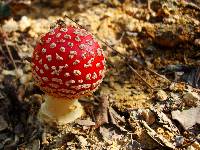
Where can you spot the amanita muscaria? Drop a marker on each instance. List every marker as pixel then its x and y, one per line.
pixel 67 63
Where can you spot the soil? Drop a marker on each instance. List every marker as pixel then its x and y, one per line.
pixel 152 82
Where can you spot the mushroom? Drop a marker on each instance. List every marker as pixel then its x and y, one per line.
pixel 67 64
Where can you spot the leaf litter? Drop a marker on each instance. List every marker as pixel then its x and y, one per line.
pixel 145 101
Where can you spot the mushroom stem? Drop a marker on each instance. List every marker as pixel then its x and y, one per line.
pixel 60 110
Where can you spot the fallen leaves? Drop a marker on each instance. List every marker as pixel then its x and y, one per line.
pixel 163 36
pixel 187 118
pixel 157 137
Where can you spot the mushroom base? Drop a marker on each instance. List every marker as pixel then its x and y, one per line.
pixel 60 110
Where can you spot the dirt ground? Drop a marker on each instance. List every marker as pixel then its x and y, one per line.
pixel 150 97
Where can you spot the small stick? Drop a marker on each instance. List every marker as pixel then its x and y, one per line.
pixel 132 69
pixel 197 76
pixel 152 71
pixel 11 58
pixel 120 39
pixel 149 5
pixel 4 53
pixel 190 4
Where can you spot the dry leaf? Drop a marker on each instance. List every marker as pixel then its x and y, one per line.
pixel 102 112
pixel 187 118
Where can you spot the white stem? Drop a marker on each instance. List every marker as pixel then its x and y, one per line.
pixel 60 110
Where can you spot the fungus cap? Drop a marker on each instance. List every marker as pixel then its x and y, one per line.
pixel 68 62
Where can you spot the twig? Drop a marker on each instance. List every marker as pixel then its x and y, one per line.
pixel 11 57
pixel 149 5
pixel 197 76
pixel 120 54
pixel 152 71
pixel 4 53
pixel 120 39
pixel 132 69
pixel 192 5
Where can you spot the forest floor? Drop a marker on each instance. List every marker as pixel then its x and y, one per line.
pixel 150 97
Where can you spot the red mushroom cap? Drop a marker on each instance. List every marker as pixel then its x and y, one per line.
pixel 68 62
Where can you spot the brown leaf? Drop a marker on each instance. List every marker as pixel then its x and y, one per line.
pixel 85 122
pixel 102 112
